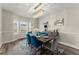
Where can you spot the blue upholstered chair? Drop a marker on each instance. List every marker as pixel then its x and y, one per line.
pixel 34 41
pixel 36 44
pixel 28 38
pixel 42 33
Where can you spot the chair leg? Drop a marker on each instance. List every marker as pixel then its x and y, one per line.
pixel 57 52
pixel 33 50
pixel 37 51
pixel 41 49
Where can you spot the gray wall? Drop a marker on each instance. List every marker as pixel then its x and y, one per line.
pixel 0 26
pixel 7 26
pixel 70 31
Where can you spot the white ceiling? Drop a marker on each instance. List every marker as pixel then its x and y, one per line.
pixel 21 9
pixel 57 7
pixel 26 9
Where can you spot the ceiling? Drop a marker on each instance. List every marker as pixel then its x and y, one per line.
pixel 26 9
pixel 21 9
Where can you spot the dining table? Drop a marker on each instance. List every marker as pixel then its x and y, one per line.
pixel 46 43
pixel 43 39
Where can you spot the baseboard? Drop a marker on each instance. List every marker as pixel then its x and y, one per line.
pixel 12 40
pixel 4 45
pixel 9 41
pixel 69 45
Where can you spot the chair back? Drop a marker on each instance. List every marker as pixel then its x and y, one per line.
pixel 42 33
pixel 34 41
pixel 28 37
pixel 55 40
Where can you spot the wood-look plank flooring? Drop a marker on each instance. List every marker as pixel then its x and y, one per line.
pixel 20 47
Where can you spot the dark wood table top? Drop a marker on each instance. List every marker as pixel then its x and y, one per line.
pixel 43 39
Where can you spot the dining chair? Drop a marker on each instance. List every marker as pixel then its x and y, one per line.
pixel 42 33
pixel 28 39
pixel 36 44
pixel 53 44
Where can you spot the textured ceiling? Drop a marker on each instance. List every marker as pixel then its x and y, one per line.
pixel 21 9
pixel 26 9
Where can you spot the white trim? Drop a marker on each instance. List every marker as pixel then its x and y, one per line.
pixel 69 33
pixel 73 46
pixel 9 41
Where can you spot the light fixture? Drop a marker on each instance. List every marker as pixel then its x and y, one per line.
pixel 37 6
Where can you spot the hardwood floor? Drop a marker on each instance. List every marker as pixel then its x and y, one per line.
pixel 69 50
pixel 20 47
